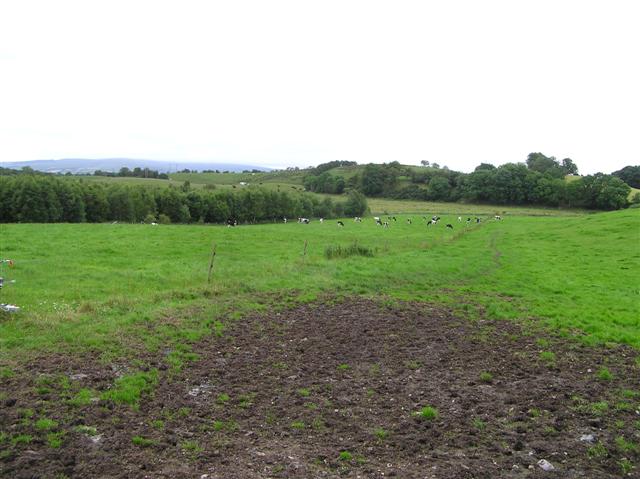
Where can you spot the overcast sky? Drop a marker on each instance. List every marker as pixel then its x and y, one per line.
pixel 297 83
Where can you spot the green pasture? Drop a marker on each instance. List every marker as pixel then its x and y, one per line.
pixel 115 288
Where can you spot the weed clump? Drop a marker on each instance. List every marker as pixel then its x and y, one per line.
pixel 428 412
pixel 354 249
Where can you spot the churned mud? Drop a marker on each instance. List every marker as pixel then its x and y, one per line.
pixel 336 390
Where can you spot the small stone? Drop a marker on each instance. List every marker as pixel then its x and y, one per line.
pixel 545 465
pixel 588 438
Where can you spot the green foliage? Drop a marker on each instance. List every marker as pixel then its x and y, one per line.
pixel 479 424
pixel 354 249
pixel 142 442
pixel 381 433
pixel 630 175
pixel 54 439
pixel 82 398
pixel 129 389
pixel 604 374
pixel 304 392
pixel 428 413
pixel 297 425
pixel 597 451
pixel 345 456
pixel 21 439
pixel 223 398
pixel 46 424
pixel 486 377
pixel 548 356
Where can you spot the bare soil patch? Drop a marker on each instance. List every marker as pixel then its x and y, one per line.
pixel 332 390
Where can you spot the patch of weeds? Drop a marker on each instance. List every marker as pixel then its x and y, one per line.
pixel 45 424
pixel 218 328
pixel 534 412
pixel 623 406
pixel 345 456
pixel 549 431
pixel 54 439
pixel 479 424
pixel 354 249
pixel 374 369
pixel 246 400
pixel 619 424
pixel 626 466
pixel 228 426
pixel 142 441
pixel 82 398
pixel 318 424
pixel 223 398
pixel 184 411
pixel 625 446
pixel 629 394
pixel 4 437
pixel 542 343
pixel 598 451
pixel 6 373
pixel 548 357
pixel 304 392
pixel 428 413
pixel 21 439
pixel 486 377
pixel 129 389
pixel 381 434
pixel 88 430
pixel 413 365
pixel 604 374
pixel 370 393
pixel 279 365
pixel 636 424
pixel 599 408
pixel 157 424
pixel 311 405
pixel 297 425
pixel 191 447
pixel 343 367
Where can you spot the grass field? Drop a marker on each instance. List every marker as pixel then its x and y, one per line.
pixel 83 285
pixel 323 351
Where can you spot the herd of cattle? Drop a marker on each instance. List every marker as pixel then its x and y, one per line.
pixel 380 222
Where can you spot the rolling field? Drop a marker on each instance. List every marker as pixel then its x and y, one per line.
pixel 121 318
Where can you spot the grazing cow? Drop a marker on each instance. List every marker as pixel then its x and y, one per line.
pixel 154 224
pixel 285 220
pixel 459 218
pixel 468 220
pixel 321 220
pixel 357 219
pixel 394 218
pixel 340 223
pixel 232 222
pixel 385 224
pixel 378 222
pixel 303 220
pixel 449 225
pixel 477 220
pixel 498 217
pixel 408 221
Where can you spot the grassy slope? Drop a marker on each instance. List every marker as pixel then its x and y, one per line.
pixel 99 285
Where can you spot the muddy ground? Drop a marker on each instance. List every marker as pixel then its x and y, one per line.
pixel 333 390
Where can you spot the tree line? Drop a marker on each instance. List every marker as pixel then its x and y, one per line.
pixel 30 198
pixel 540 181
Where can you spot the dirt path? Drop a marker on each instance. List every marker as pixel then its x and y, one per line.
pixel 332 390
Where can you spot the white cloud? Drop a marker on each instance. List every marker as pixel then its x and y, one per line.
pixel 298 83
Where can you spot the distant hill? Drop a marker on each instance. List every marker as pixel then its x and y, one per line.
pixel 81 165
